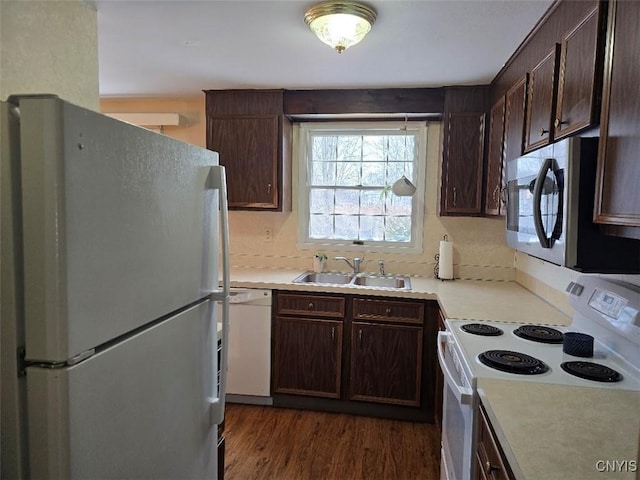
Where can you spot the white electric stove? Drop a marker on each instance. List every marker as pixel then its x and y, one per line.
pixel 468 350
pixel 607 311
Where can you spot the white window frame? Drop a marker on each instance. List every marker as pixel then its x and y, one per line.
pixel 417 204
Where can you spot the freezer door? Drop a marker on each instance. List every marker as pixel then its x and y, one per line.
pixel 140 409
pixel 120 227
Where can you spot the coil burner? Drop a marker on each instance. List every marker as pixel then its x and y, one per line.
pixel 513 362
pixel 538 333
pixel 592 371
pixel 482 329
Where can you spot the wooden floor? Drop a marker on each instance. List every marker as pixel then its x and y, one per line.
pixel 283 444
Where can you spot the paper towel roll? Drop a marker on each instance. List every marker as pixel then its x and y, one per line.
pixel 445 265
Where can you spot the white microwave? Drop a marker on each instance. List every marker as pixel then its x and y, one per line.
pixel 550 197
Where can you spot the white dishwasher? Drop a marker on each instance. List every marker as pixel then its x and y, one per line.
pixel 249 356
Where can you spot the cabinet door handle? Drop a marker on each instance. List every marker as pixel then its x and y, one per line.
pixel 558 122
pixel 269 188
pixel 333 333
pixel 455 196
pixel 387 311
pixel 310 305
pixel 543 131
pixel 488 468
pixel 360 336
pixel 504 196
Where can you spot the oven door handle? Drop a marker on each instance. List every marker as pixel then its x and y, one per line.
pixel 463 394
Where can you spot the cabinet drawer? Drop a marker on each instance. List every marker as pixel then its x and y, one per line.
pixel 314 305
pixel 388 311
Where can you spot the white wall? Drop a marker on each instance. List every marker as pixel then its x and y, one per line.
pixel 49 47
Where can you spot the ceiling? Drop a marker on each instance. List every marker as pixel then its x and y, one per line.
pixel 181 47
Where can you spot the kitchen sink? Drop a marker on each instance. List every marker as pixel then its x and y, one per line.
pixel 330 278
pixel 399 282
pixel 384 282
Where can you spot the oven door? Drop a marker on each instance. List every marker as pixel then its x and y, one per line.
pixel 459 408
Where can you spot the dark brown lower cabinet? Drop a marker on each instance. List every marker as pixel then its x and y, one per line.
pixel 354 354
pixel 490 461
pixel 386 363
pixel 307 356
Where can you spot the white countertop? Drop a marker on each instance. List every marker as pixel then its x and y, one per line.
pixel 464 299
pixel 558 432
pixel 548 432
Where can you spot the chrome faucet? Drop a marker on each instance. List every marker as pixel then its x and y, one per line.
pixel 381 265
pixel 355 265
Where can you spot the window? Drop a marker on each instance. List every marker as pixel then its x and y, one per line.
pixel 346 175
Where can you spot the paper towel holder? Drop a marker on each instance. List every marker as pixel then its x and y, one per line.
pixel 436 267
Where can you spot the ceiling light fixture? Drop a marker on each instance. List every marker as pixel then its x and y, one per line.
pixel 340 24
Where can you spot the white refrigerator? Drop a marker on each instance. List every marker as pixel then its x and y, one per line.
pixel 112 241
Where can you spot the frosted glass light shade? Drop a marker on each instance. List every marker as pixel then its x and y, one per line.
pixel 340 24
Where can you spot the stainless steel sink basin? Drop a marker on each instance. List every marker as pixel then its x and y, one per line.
pixel 361 280
pixel 330 278
pixel 384 282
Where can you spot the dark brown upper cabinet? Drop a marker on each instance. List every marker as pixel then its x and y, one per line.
pixel 617 194
pixel 540 101
pixel 506 137
pixel 495 150
pixel 463 150
pixel 514 120
pixel 580 75
pixel 250 132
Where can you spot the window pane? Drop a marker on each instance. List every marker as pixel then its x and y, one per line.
pixel 349 148
pixel 348 201
pixel 372 202
pixel 373 148
pixel 373 174
pixel 325 148
pixel 348 174
pixel 401 148
pixel 398 229
pixel 321 200
pixel 323 173
pixel 394 172
pixel 372 228
pixel 321 226
pixel 346 227
pixel 398 205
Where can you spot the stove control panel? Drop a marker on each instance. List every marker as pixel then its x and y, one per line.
pixel 607 303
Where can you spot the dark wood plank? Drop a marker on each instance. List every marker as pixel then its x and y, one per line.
pixel 364 101
pixel 283 444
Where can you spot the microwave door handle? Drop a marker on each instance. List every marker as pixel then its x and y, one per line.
pixel 537 203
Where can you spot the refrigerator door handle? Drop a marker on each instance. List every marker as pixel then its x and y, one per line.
pixel 217 400
pixel 218 181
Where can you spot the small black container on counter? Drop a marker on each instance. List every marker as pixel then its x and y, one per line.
pixel 578 344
